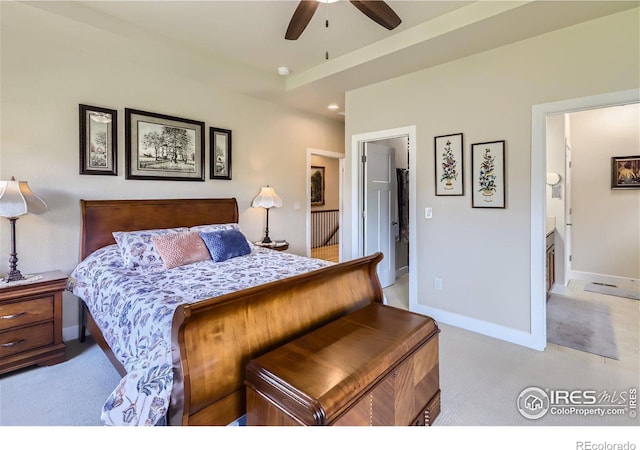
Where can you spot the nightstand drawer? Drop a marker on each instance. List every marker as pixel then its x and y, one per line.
pixel 23 339
pixel 26 312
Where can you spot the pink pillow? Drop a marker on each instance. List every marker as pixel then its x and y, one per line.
pixel 179 249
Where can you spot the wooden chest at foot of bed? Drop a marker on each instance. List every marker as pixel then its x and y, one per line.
pixel 375 366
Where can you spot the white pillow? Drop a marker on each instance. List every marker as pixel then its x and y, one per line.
pixel 215 227
pixel 136 246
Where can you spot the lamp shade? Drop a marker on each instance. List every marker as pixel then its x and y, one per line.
pixel 16 199
pixel 267 198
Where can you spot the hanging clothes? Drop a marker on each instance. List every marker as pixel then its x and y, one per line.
pixel 402 176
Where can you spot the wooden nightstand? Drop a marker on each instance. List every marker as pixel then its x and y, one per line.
pixel 31 321
pixel 275 245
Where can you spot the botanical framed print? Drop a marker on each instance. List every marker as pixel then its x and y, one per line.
pixel 625 172
pixel 98 141
pixel 449 164
pixel 219 154
pixel 317 186
pixel 488 185
pixel 161 147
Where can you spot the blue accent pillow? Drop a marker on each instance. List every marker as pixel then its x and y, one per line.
pixel 225 244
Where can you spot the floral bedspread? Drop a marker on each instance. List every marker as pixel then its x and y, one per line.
pixel 134 309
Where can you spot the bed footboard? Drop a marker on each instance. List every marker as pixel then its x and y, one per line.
pixel 213 340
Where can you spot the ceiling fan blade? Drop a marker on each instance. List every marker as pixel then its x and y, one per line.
pixel 379 12
pixel 301 18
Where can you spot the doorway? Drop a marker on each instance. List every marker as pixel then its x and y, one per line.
pixel 369 233
pixel 324 204
pixel 540 113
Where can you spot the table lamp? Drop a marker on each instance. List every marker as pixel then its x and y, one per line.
pixel 16 199
pixel 267 198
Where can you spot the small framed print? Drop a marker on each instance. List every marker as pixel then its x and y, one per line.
pixel 625 172
pixel 161 147
pixel 219 154
pixel 317 186
pixel 488 186
pixel 98 141
pixel 449 164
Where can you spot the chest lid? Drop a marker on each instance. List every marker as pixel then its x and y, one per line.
pixel 321 373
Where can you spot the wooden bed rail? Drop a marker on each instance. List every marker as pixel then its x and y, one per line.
pixel 213 340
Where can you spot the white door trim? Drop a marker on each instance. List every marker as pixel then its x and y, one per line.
pixel 538 197
pixel 357 140
pixel 340 158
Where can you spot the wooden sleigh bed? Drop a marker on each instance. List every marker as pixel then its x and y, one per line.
pixel 213 340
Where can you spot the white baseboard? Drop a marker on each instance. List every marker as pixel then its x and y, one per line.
pixel 402 271
pixel 71 333
pixel 493 330
pixel 559 289
pixel 607 279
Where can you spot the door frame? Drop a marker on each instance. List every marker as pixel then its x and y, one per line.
pixel 340 157
pixel 357 177
pixel 538 195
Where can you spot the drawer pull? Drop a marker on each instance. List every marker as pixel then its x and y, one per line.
pixel 14 316
pixel 14 343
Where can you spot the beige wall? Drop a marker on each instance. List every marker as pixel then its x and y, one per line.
pixel 331 182
pixel 46 74
pixel 606 222
pixel 483 255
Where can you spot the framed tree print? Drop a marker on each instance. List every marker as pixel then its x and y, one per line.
pixel 219 154
pixel 98 141
pixel 488 186
pixel 161 147
pixel 449 164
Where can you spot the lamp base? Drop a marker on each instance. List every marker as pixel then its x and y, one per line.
pixel 13 275
pixel 266 240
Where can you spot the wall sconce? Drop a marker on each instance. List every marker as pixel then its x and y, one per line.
pixel 16 199
pixel 267 198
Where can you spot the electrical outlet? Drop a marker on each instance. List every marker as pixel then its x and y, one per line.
pixel 428 213
pixel 437 284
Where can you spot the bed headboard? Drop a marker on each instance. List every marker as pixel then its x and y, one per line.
pixel 100 218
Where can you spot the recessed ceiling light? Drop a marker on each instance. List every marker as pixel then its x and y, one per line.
pixel 333 106
pixel 283 70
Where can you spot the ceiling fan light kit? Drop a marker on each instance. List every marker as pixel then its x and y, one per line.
pixel 376 10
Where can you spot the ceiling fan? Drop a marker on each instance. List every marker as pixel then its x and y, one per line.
pixel 377 10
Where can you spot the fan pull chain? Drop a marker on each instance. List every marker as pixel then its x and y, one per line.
pixel 326 26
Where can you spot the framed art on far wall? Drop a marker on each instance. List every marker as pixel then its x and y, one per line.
pixel 625 172
pixel 449 164
pixel 161 147
pixel 317 186
pixel 98 141
pixel 488 184
pixel 219 154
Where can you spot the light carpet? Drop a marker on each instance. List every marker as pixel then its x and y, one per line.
pixel 581 325
pixel 607 289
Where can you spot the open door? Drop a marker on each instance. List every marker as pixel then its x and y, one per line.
pixel 379 207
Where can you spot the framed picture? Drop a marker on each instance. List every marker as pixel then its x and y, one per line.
pixel 219 154
pixel 98 141
pixel 488 184
pixel 161 147
pixel 625 172
pixel 449 164
pixel 317 186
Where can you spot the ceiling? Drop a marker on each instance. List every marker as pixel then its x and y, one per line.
pixel 239 45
